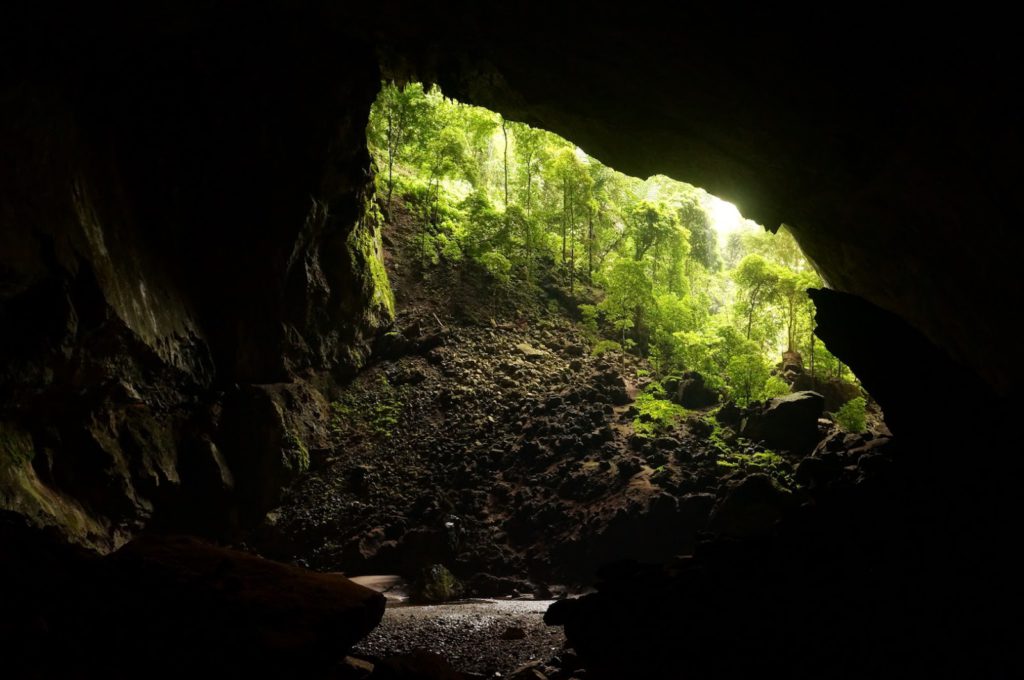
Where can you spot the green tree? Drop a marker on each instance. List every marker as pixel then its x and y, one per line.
pixel 746 373
pixel 530 152
pixel 476 127
pixel 628 296
pixel 703 239
pixel 576 185
pixel 792 295
pixel 758 283
pixel 395 118
pixel 651 226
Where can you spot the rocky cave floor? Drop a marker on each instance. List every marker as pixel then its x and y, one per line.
pixel 487 453
pixel 485 637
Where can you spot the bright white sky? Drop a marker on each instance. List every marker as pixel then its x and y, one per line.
pixel 725 218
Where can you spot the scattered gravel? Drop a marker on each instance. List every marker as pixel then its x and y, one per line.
pixel 472 635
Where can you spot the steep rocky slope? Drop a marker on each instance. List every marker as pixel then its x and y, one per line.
pixel 487 437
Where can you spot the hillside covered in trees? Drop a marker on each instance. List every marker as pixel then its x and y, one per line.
pixel 655 267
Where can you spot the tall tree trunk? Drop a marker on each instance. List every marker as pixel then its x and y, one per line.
pixel 791 339
pixel 529 182
pixel 754 295
pixel 590 246
pixel 391 158
pixel 565 207
pixel 812 357
pixel 504 132
pixel 572 245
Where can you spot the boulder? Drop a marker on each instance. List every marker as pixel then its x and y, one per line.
pixel 835 392
pixel 416 665
pixel 531 671
pixel 191 604
pixel 513 633
pixel 530 352
pixel 816 471
pixel 792 362
pixel 691 392
pixel 752 508
pixel 730 414
pixel 435 584
pixel 488 585
pixel 266 432
pixel 789 423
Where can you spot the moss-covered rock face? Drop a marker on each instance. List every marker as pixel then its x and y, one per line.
pixel 175 221
pixel 367 254
pixel 266 433
pixel 22 491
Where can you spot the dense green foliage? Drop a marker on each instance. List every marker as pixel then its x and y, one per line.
pixel 851 416
pixel 650 254
pixel 654 413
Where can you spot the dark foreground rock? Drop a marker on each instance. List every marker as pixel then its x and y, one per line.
pixel 829 597
pixel 163 607
pixel 789 423
pixel 416 665
pixel 751 508
pixel 185 593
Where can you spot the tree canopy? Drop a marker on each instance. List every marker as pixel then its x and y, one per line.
pixel 521 203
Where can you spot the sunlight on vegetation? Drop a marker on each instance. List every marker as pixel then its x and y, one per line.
pixel 657 267
pixel 655 413
pixel 737 456
pixel 851 416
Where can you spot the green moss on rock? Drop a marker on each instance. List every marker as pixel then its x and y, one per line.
pixel 366 251
pixel 16 447
pixel 436 584
pixel 296 453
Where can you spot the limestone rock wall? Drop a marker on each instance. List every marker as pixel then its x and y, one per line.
pixel 184 237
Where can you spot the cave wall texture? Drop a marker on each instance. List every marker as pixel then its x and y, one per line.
pixel 187 260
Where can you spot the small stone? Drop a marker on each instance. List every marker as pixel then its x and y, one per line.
pixel 531 671
pixel 353 668
pixel 513 633
pixel 530 352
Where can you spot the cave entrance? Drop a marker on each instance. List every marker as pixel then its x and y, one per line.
pixel 580 371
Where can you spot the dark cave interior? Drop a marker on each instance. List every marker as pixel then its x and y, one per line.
pixel 186 276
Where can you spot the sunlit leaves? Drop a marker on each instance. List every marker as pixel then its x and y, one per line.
pixel 522 204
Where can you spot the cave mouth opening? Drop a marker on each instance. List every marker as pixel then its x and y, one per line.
pixel 187 139
pixel 584 368
pixel 660 267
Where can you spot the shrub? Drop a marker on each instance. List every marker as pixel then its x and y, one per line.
pixel 589 316
pixel 497 266
pixel 606 346
pixel 774 387
pixel 655 414
pixel 746 376
pixel 852 416
pixel 436 584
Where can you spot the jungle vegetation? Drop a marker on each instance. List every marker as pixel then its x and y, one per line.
pixel 666 270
